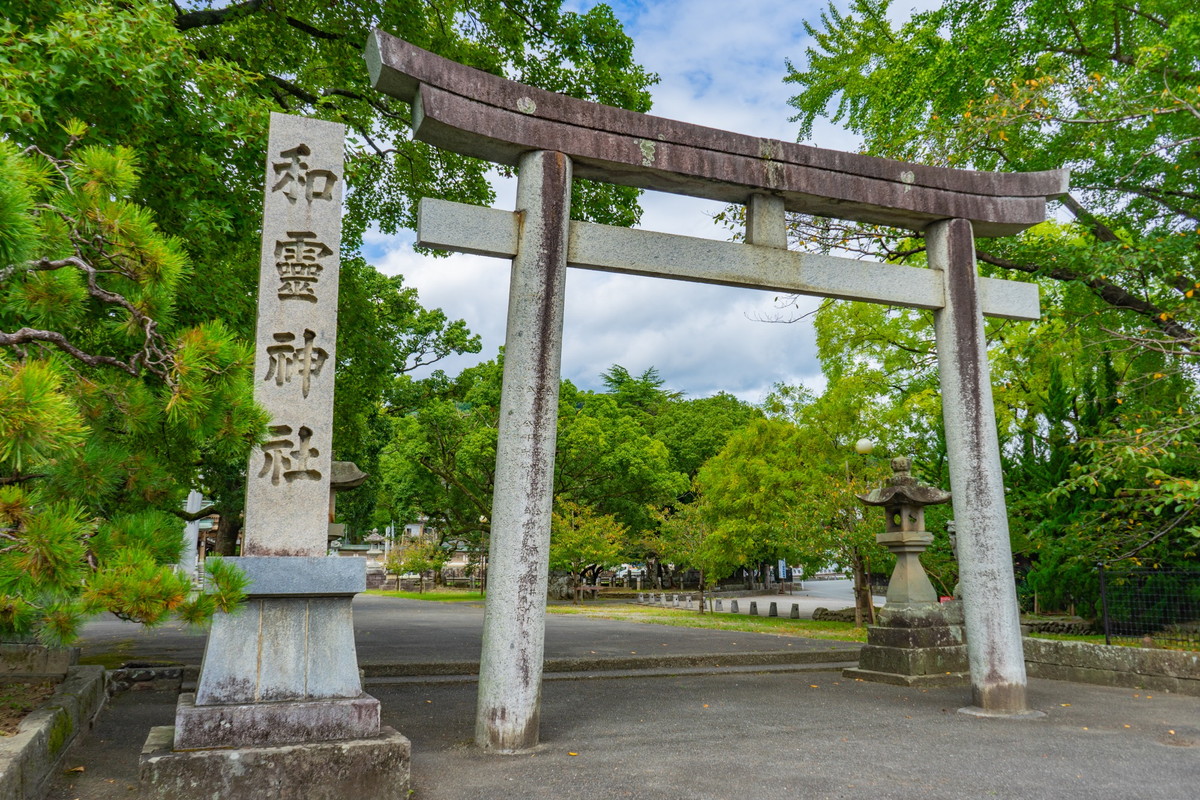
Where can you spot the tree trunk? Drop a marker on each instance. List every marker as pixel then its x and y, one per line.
pixel 863 603
pixel 701 591
pixel 226 534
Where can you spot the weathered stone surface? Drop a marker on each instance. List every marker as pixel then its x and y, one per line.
pixel 510 679
pixel 280 648
pixel 984 550
pixel 345 475
pixel 36 660
pixel 933 636
pixel 493 232
pixel 766 221
pixel 255 724
pixel 1162 670
pixel 287 489
pixel 302 575
pixel 923 616
pixel 489 117
pixel 914 661
pixel 376 768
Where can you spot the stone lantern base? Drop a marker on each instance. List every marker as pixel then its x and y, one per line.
pixel 917 645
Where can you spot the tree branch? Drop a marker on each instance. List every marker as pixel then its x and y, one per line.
pixel 27 335
pixel 1135 10
pixel 1101 231
pixel 215 16
pixel 10 480
pixel 192 516
pixel 1110 293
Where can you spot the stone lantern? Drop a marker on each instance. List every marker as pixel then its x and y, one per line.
pixel 918 641
pixel 904 500
pixel 374 540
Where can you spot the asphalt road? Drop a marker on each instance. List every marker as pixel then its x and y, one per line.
pixel 732 736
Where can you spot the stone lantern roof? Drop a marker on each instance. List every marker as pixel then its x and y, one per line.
pixel 903 489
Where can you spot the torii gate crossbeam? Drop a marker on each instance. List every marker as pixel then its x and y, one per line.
pixel 552 138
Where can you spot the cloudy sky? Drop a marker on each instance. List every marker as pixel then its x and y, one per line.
pixel 719 67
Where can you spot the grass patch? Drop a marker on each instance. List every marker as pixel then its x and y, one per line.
pixel 780 626
pixel 434 595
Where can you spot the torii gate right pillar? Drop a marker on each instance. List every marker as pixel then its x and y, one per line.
pixel 989 591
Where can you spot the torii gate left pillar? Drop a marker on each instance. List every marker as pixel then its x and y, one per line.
pixel 510 667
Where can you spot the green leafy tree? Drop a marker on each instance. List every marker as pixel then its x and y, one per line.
pixel 784 488
pixel 581 538
pixel 694 430
pixel 1097 402
pixel 440 462
pixel 190 87
pixel 419 559
pixel 686 539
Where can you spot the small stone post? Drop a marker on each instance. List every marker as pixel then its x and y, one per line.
pixel 997 659
pixel 510 669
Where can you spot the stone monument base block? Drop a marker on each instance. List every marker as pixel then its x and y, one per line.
pixel 269 724
pixel 376 767
pixel 918 645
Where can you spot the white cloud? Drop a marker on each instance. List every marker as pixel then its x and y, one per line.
pixel 721 66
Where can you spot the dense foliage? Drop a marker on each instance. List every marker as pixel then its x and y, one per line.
pixel 1097 402
pixel 123 351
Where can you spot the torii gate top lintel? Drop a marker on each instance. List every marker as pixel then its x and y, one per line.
pixel 482 115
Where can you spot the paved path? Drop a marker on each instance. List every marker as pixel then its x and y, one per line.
pixel 413 636
pixel 726 736
pixel 672 733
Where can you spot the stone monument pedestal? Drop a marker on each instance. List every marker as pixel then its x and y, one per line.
pixel 918 645
pixel 279 710
pixel 375 767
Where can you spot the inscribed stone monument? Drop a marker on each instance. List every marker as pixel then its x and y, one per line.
pixel 279 708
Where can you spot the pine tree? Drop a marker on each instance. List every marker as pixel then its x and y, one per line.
pixel 104 402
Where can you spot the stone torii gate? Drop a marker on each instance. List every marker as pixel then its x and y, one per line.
pixel 550 138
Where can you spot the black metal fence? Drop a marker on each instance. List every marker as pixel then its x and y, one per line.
pixel 1158 607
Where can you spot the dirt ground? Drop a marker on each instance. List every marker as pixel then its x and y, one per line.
pixel 17 699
